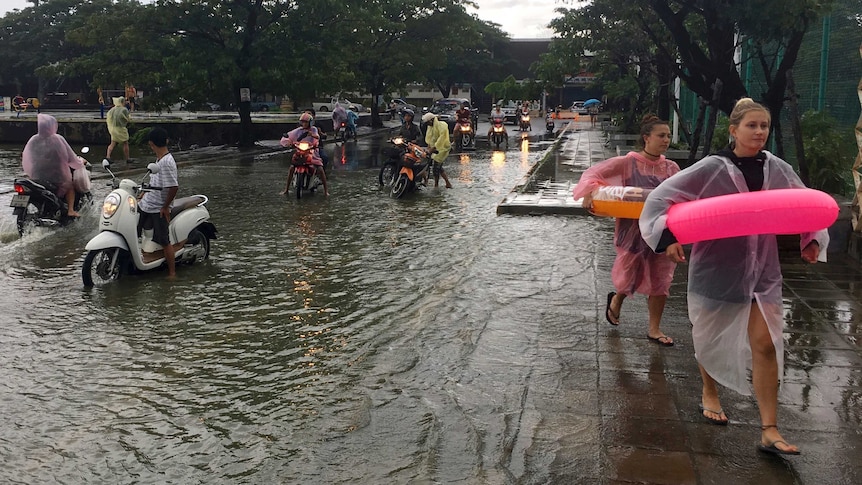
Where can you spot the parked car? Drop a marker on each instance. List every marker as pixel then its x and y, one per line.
pixel 346 103
pixel 509 110
pixel 578 107
pixel 398 104
pixel 186 105
pixel 445 109
pixel 263 105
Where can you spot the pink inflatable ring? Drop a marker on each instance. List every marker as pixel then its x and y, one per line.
pixel 780 211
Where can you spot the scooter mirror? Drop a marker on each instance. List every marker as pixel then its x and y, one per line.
pixel 153 168
pixel 85 150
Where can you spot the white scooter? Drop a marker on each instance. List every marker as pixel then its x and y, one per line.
pixel 118 248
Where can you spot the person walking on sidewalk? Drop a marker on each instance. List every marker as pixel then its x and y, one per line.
pixel 734 284
pixel 118 121
pixel 637 269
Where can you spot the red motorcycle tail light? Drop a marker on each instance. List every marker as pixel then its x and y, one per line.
pixel 19 188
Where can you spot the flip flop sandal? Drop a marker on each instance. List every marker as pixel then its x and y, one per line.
pixel 719 422
pixel 658 340
pixel 771 448
pixel 609 313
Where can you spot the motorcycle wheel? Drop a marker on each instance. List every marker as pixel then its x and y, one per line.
pixel 399 187
pixel 98 270
pixel 387 174
pixel 198 244
pixel 465 141
pixel 300 184
pixel 27 219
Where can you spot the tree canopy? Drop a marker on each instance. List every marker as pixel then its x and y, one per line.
pixel 206 50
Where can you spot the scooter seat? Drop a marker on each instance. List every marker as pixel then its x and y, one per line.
pixel 38 184
pixel 184 203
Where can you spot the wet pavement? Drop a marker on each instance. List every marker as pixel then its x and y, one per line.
pixel 648 427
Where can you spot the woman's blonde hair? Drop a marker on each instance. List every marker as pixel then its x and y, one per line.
pixel 744 106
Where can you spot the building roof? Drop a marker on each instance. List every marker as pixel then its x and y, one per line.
pixel 525 52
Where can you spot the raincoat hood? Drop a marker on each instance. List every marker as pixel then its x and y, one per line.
pixel 118 101
pixel 46 125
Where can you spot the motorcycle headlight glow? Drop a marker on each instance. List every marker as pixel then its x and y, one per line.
pixel 133 203
pixel 110 206
pixel 303 146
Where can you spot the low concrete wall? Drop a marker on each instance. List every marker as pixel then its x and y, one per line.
pixel 185 132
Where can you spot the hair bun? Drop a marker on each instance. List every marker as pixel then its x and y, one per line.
pixel 649 118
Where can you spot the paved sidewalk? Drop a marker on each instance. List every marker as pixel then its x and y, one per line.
pixel 548 187
pixel 652 431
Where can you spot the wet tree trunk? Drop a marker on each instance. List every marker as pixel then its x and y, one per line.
pixel 713 117
pixel 804 173
pixel 698 127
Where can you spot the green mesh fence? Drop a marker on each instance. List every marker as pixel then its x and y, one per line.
pixel 826 74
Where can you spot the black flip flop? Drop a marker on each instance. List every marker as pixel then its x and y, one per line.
pixel 608 312
pixel 771 448
pixel 660 342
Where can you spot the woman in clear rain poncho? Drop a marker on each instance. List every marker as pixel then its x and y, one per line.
pixel 48 157
pixel 339 115
pixel 734 284
pixel 118 119
pixel 637 269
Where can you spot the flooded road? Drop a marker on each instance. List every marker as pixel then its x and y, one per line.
pixel 354 339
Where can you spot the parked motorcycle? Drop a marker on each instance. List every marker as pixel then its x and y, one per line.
pixel 498 133
pixel 524 122
pixel 413 168
pixel 35 203
pixel 465 136
pixel 305 177
pixel 118 248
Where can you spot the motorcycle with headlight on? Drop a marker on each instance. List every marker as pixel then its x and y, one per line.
pixel 119 249
pixel 524 121
pixel 305 177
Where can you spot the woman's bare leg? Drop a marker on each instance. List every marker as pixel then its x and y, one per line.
pixel 764 376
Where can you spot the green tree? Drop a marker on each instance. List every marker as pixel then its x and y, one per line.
pixel 34 46
pixel 389 50
pixel 505 90
pixel 471 50
pixel 116 49
pixel 608 38
pixel 230 45
pixel 706 35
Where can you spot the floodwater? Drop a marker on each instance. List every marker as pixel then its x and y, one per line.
pixel 354 339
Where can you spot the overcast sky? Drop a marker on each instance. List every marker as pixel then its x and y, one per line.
pixel 521 19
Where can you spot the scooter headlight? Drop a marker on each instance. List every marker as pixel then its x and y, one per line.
pixel 110 206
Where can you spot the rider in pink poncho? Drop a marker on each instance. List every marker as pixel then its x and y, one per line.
pixel 637 269
pixel 306 132
pixel 339 115
pixel 48 158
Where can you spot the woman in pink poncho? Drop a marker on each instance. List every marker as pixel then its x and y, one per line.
pixel 637 269
pixel 48 157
